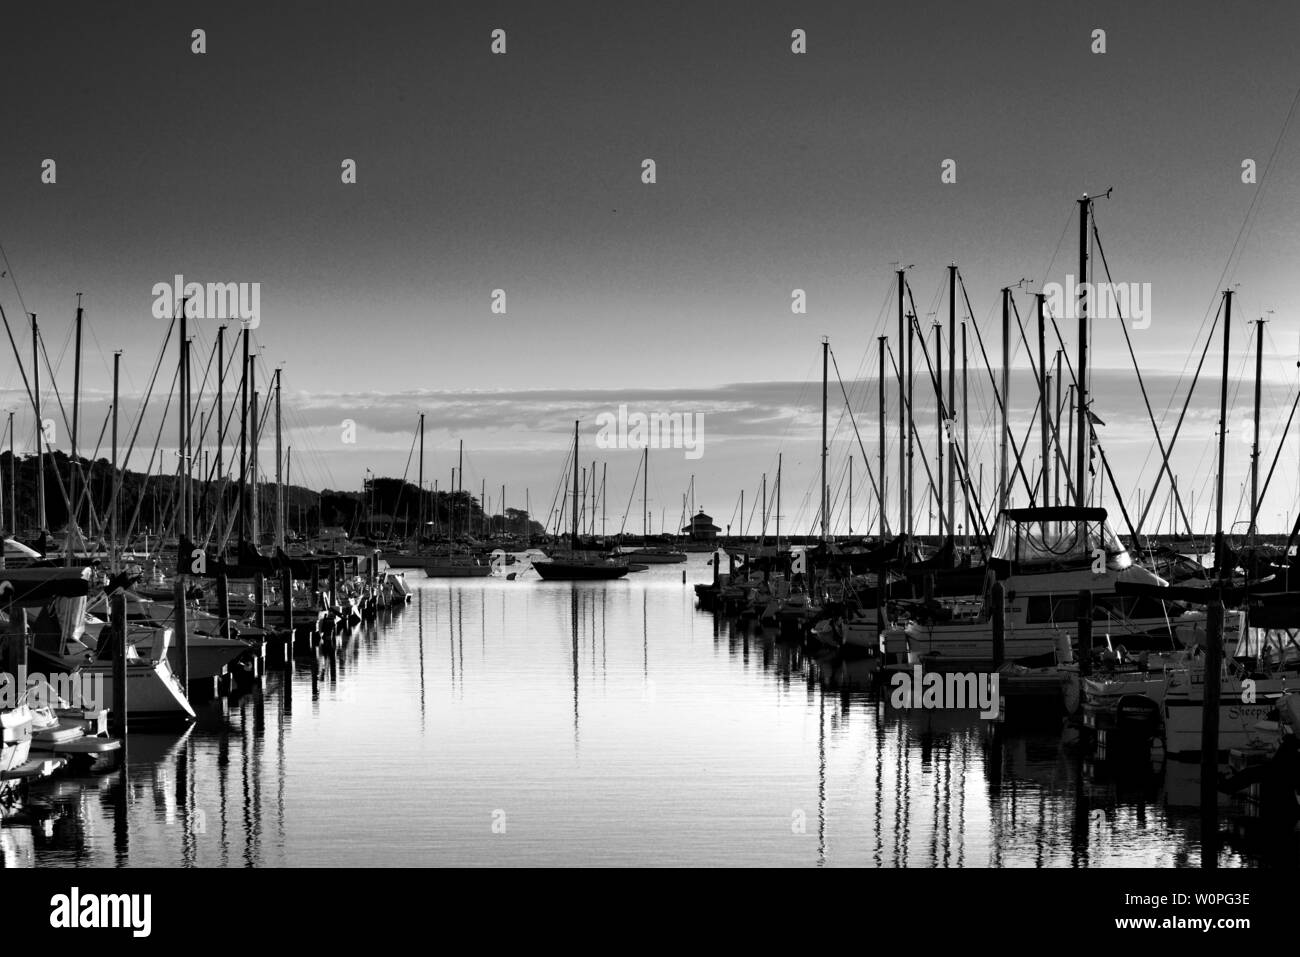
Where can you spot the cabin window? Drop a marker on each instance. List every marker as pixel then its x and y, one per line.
pixel 1045 609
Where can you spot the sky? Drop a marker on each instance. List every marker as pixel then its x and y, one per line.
pixel 775 171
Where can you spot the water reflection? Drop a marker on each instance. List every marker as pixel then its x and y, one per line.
pixel 609 723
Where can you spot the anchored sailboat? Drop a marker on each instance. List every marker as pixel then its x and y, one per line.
pixel 579 566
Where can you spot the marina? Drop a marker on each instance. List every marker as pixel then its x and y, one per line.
pixel 658 734
pixel 678 442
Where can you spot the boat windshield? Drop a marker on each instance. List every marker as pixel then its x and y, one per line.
pixel 1056 536
pixel 71 615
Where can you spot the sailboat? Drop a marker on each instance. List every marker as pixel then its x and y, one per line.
pixel 579 566
pixel 1044 556
pixel 153 691
pixel 443 562
pixel 647 553
pixel 209 652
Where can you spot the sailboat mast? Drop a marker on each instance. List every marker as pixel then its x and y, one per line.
pixel 1081 374
pixel 645 495
pixel 288 484
pixel 1254 448
pixel 1004 488
pixel 1222 572
pixel 460 480
pixel 778 501
pixel 221 420
pixel 254 441
pixel 965 434
pixel 279 474
pixel 911 447
pixel 952 398
pixel 13 479
pixel 182 514
pixel 40 426
pixel 826 348
pixel 762 532
pixel 1041 300
pixel 1056 433
pixel 939 420
pixel 187 450
pixel 243 439
pixel 76 415
pixel 117 481
pixel 575 485
pixel 883 342
pixel 902 415
pixel 1069 440
pixel 419 533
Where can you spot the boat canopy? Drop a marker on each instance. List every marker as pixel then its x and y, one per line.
pixel 1056 535
pixel 36 586
pixel 1055 513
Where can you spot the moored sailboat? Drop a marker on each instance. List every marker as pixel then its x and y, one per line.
pixel 577 565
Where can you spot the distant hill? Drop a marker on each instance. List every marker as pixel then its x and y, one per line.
pixel 389 507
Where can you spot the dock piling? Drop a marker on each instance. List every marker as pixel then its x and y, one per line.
pixel 999 625
pixel 1085 633
pixel 119 715
pixel 259 599
pixel 182 632
pixel 1210 735
pixel 286 597
pixel 223 603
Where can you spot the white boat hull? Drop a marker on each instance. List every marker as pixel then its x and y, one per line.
pixel 152 691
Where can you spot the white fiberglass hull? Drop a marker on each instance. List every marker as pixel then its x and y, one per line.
pixel 15 737
pixel 1184 706
pixel 152 691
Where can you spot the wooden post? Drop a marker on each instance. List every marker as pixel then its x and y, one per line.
pixel 1085 633
pixel 182 632
pixel 259 599
pixel 999 624
pixel 1210 735
pixel 16 661
pixel 286 597
pixel 120 702
pixel 223 603
pixel 882 608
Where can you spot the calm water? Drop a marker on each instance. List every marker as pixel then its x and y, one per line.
pixel 496 722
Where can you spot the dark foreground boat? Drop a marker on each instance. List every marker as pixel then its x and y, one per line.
pixel 581 569
pixel 576 566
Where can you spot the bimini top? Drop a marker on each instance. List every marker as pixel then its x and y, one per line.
pixel 1061 535
pixel 1056 513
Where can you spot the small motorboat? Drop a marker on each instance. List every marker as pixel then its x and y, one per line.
pixel 15 737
